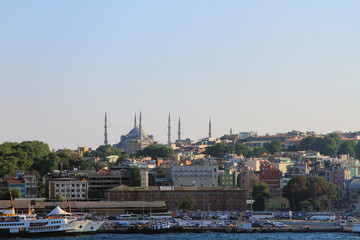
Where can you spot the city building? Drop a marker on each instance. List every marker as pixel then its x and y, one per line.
pixel 270 175
pixel 195 175
pixel 228 178
pixel 27 184
pixel 207 198
pixel 69 188
pixel 14 182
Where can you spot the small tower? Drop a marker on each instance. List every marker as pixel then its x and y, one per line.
pixel 230 131
pixel 179 132
pixel 105 134
pixel 209 127
pixel 169 133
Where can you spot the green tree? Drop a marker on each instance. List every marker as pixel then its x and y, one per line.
pixel 313 191
pixel 15 192
pixel 243 150
pixel 296 192
pixel 318 145
pixel 258 152
pixel 8 166
pixel 294 147
pixel 156 151
pixel 104 151
pixel 306 144
pixel 322 194
pixel 347 147
pixel 135 178
pixel 357 150
pixel 47 164
pixel 260 192
pixel 187 203
pixel 273 146
pixel 69 159
pixel 331 144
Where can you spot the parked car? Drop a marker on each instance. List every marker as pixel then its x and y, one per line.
pixel 267 224
pixel 187 218
pixel 279 224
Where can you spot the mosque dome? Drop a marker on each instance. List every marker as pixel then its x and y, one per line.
pixel 134 135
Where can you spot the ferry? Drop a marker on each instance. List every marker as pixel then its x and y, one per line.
pixel 57 223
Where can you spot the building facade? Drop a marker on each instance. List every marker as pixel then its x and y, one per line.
pixel 69 188
pixel 207 198
pixel 228 178
pixel 195 175
pixel 270 175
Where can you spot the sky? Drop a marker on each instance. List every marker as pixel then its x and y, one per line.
pixel 267 66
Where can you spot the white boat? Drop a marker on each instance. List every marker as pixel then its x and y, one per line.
pixel 92 226
pixel 21 224
pixel 77 224
pixel 58 222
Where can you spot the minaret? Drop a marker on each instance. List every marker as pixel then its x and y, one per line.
pixel 169 134
pixel 209 127
pixel 179 132
pixel 230 131
pixel 105 134
pixel 140 126
pixel 135 121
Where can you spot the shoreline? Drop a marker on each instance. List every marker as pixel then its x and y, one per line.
pixel 220 230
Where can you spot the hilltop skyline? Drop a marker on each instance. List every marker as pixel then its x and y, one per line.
pixel 264 66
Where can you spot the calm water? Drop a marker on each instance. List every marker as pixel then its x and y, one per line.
pixel 212 236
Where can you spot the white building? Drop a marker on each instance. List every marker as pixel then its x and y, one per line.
pixel 69 188
pixel 194 175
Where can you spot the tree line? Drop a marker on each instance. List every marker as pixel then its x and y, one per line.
pixel 330 145
pixel 35 157
pixel 222 149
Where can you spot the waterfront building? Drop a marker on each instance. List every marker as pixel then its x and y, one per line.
pixel 207 198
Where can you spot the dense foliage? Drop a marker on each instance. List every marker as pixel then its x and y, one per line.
pixel 330 145
pixel 35 157
pixel 260 192
pixel 222 149
pixel 312 192
pixel 156 151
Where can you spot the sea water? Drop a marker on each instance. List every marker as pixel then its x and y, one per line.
pixel 210 236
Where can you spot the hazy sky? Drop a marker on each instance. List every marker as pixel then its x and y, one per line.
pixel 268 66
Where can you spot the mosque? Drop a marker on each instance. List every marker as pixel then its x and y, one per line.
pixel 136 140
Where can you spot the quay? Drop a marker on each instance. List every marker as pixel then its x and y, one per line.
pixel 159 228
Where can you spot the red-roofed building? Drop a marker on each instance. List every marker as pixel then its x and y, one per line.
pixel 270 175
